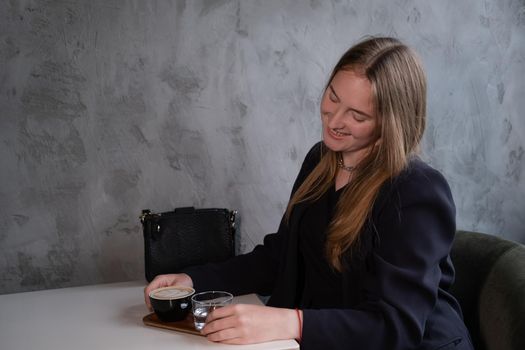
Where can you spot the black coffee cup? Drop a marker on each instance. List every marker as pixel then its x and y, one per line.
pixel 171 303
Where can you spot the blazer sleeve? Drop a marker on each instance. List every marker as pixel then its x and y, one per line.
pixel 415 230
pixel 254 272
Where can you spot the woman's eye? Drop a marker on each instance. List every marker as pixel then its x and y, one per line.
pixel 332 97
pixel 358 117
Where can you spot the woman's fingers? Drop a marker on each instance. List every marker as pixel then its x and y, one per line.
pixel 157 282
pixel 228 334
pixel 245 324
pixel 220 319
pixel 146 298
pixel 225 325
pixel 223 312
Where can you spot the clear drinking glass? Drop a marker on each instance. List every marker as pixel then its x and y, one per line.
pixel 205 302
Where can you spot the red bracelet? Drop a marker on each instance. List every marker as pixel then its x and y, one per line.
pixel 300 325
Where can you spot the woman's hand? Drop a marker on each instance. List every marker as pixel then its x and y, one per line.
pixel 247 324
pixel 180 279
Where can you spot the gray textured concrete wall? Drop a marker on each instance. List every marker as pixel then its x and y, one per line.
pixel 108 107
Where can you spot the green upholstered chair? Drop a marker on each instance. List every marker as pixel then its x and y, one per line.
pixel 490 286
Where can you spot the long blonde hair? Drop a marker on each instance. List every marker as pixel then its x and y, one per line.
pixel 399 98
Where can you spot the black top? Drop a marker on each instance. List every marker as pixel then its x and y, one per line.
pixel 320 286
pixel 395 292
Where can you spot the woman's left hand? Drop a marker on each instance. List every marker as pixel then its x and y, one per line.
pixel 248 324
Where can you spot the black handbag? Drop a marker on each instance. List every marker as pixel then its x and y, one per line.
pixel 185 237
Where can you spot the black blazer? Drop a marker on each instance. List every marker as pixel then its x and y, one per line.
pixel 395 286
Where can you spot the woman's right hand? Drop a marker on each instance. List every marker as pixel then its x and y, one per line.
pixel 179 279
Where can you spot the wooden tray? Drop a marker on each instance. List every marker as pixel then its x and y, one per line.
pixel 185 325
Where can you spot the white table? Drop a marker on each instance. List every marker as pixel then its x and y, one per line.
pixel 104 316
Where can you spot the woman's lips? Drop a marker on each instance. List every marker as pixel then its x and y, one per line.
pixel 337 135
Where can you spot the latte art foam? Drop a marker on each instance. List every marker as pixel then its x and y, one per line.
pixel 170 293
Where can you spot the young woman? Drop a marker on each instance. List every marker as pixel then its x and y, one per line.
pixel 361 257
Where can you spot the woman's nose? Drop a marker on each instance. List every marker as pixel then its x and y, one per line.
pixel 335 118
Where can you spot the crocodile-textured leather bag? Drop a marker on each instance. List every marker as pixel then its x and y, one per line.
pixel 185 237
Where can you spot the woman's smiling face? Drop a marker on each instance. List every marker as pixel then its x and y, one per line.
pixel 348 116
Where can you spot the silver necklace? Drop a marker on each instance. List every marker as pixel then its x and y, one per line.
pixel 342 165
